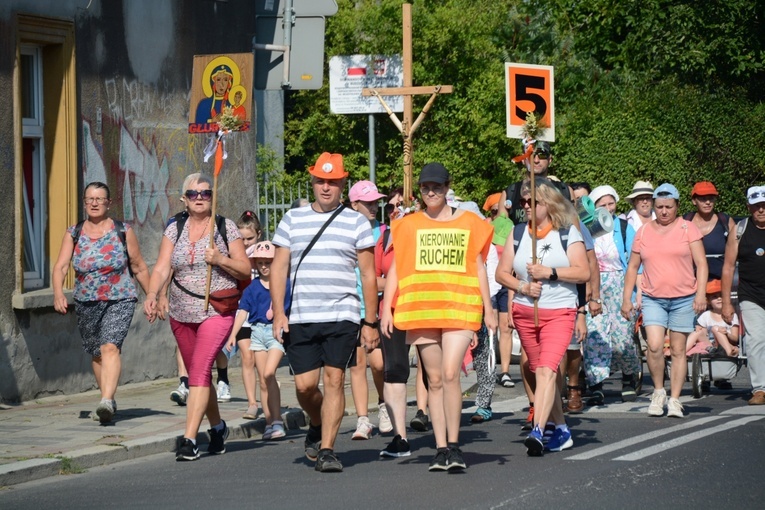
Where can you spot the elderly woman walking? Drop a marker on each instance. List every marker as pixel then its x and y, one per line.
pixel 668 247
pixel 105 254
pixel 609 346
pixel 200 333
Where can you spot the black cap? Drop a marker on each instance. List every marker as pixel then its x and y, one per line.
pixel 434 172
pixel 543 147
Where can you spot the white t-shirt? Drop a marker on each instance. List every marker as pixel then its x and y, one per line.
pixel 706 320
pixel 325 285
pixel 550 253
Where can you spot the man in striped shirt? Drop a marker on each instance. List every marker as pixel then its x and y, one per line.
pixel 322 327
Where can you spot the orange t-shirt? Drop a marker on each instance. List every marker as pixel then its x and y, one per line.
pixel 667 261
pixel 437 272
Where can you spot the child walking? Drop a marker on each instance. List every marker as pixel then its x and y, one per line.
pixel 250 230
pixel 255 306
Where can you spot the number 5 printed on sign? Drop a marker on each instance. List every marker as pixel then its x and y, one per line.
pixel 529 89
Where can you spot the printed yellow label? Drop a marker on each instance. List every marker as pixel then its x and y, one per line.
pixel 442 249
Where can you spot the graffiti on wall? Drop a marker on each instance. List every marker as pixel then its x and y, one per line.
pixel 143 171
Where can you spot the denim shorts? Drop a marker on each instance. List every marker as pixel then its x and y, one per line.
pixel 675 314
pixel 262 338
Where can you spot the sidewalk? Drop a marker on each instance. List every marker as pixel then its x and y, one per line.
pixel 58 434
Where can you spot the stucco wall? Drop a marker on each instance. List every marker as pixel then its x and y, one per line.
pixel 134 63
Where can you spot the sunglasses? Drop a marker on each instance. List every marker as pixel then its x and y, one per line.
pixel 542 154
pixel 527 202
pixel 205 194
pixel 389 208
pixel 706 198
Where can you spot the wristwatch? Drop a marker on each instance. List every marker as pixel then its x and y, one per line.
pixel 598 301
pixel 553 275
pixel 370 324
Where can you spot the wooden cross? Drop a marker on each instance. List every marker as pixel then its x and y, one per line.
pixel 407 127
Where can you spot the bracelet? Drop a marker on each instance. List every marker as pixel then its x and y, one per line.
pixel 155 294
pixel 581 312
pixel 374 324
pixel 521 283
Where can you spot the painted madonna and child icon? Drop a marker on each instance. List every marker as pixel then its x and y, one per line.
pixel 221 92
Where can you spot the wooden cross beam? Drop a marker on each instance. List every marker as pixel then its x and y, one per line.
pixel 407 126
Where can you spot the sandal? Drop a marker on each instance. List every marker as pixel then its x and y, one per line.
pixel 481 415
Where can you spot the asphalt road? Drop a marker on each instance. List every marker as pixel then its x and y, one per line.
pixel 713 458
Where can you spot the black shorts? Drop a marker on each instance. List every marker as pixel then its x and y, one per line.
pixel 314 345
pixel 499 301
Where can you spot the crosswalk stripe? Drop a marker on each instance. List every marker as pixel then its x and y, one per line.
pixel 662 447
pixel 643 437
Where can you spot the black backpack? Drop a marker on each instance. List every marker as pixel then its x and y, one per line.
pixel 120 233
pixel 722 218
pixel 518 235
pixel 220 223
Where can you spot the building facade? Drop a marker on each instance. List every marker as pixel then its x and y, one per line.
pixel 98 90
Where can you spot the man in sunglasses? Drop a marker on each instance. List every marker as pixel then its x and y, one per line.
pixel 539 162
pixel 747 248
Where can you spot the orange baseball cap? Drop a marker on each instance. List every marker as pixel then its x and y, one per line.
pixel 329 166
pixel 703 188
pixel 491 201
pixel 714 286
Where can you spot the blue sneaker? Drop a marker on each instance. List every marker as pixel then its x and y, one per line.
pixel 548 432
pixel 560 440
pixel 533 443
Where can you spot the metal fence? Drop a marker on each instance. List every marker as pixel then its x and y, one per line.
pixel 274 201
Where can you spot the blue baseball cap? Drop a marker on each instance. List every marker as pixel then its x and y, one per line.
pixel 666 190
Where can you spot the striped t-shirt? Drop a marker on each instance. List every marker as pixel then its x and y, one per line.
pixel 325 285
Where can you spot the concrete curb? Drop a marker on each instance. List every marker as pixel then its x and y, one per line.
pixel 102 455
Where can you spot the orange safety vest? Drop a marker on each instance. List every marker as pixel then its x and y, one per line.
pixel 437 271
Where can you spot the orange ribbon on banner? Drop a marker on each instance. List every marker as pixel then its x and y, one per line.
pixel 525 155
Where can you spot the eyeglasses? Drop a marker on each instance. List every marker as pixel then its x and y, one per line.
pixel 204 194
pixel 643 198
pixel 542 155
pixel 438 189
pixel 95 200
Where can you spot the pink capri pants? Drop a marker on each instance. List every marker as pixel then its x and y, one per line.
pixel 545 345
pixel 199 344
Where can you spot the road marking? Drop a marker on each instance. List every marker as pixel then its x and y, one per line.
pixel 643 437
pixel 662 447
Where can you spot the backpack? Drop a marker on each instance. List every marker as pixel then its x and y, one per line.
pixel 120 233
pixel 518 235
pixel 624 224
pixel 180 221
pixel 722 218
pixel 741 227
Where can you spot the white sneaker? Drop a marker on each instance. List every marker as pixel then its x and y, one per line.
pixel 363 429
pixel 224 392
pixel 180 395
pixel 675 408
pixel 385 425
pixel 658 401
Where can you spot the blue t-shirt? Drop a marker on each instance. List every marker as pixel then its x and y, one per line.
pixel 256 301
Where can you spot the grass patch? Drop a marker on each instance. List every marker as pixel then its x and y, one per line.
pixel 69 467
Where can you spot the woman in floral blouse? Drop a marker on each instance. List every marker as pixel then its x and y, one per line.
pixel 104 292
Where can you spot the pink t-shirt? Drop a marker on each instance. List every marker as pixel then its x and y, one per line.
pixel 667 260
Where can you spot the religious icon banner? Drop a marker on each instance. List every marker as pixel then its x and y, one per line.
pixel 221 85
